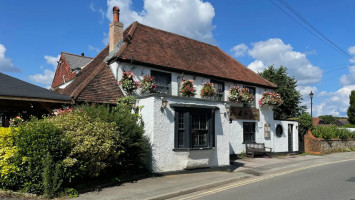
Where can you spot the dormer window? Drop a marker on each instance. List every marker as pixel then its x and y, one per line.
pixel 163 81
pixel 219 87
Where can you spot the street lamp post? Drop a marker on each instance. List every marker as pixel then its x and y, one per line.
pixel 311 96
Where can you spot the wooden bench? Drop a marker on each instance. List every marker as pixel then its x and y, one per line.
pixel 253 149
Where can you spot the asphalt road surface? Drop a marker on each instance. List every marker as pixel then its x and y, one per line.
pixel 334 181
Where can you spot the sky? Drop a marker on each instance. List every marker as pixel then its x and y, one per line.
pixel 257 33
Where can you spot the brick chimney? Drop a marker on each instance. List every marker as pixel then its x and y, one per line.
pixel 116 29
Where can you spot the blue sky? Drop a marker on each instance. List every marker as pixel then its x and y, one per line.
pixel 257 33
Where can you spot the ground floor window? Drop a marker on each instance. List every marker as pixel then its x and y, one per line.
pixel 249 132
pixel 194 128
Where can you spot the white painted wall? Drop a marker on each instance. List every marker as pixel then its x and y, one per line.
pixel 160 128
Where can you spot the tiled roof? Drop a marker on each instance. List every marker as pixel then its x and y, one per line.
pixel 95 83
pixel 147 45
pixel 76 61
pixel 13 87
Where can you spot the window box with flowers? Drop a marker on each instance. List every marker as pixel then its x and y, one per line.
pixel 127 83
pixel 208 90
pixel 187 88
pixel 240 95
pixel 271 99
pixel 148 85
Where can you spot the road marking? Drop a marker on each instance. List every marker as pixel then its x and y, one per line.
pixel 259 179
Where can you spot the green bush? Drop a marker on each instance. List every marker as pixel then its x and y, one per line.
pixel 332 131
pixel 94 144
pixel 34 140
pixel 305 123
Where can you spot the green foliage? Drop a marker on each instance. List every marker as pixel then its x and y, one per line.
pixel 7 153
pixel 330 132
pixel 34 140
pixel 348 126
pixel 328 119
pixel 287 89
pixel 94 143
pixel 52 180
pixel 305 123
pixel 351 109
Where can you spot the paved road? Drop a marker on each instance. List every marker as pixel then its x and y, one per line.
pixel 332 181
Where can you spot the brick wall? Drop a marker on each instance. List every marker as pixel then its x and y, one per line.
pixel 315 145
pixel 63 69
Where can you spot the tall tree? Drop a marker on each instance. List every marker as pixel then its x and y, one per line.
pixel 351 109
pixel 287 89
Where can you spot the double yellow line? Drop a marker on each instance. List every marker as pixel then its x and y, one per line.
pixel 220 189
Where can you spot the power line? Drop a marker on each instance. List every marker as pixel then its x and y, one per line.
pixel 313 28
pixel 322 37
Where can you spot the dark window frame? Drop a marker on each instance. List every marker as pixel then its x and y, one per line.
pixel 253 131
pixel 251 104
pixel 219 95
pixel 155 74
pixel 278 129
pixel 186 130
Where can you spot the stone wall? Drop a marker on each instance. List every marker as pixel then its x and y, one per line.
pixel 315 145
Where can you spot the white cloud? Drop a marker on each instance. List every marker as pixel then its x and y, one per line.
pixel 334 103
pixel 348 79
pixel 352 52
pixel 306 90
pixel 239 50
pixel 275 52
pixel 6 64
pixel 92 48
pixel 106 39
pixel 98 10
pixel 46 78
pixel 191 18
pixel 52 60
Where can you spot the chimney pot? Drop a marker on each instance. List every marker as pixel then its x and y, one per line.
pixel 116 14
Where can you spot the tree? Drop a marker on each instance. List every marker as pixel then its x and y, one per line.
pixel 328 119
pixel 351 109
pixel 287 89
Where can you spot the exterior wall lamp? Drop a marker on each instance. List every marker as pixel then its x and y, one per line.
pixel 164 104
pixel 228 110
pixel 134 104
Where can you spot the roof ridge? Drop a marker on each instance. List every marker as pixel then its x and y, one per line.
pixel 89 78
pixel 245 66
pixel 175 34
pixel 63 52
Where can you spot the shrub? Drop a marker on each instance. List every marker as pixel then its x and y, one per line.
pixel 7 153
pixel 52 176
pixel 93 144
pixel 305 123
pixel 34 140
pixel 332 131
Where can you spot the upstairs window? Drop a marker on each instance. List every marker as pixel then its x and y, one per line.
pixel 163 81
pixel 219 87
pixel 252 91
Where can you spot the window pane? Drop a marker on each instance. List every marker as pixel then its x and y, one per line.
pixel 219 87
pixel 249 132
pixel 163 81
pixel 181 139
pixel 181 120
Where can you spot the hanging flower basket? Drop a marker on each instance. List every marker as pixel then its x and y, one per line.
pixel 270 98
pixel 240 95
pixel 207 90
pixel 187 88
pixel 127 82
pixel 148 85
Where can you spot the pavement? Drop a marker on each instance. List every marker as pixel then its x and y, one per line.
pixel 174 185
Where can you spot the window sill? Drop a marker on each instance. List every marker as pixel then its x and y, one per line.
pixel 194 149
